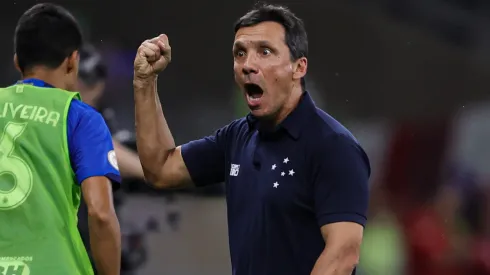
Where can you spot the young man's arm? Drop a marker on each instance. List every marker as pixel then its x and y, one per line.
pixel 95 166
pixel 128 160
pixel 105 235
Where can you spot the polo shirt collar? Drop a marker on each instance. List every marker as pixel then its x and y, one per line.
pixel 294 122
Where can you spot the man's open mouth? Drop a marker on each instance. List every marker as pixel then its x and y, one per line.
pixel 254 95
pixel 253 91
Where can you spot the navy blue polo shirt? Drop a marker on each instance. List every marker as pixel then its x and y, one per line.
pixel 282 186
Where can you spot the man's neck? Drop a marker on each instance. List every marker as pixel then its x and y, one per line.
pixel 51 77
pixel 289 105
pixel 90 101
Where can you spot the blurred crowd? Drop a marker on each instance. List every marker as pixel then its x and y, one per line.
pixel 429 208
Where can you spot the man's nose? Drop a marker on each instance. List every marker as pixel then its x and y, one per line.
pixel 250 66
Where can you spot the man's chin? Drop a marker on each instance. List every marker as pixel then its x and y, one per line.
pixel 262 114
pixel 258 112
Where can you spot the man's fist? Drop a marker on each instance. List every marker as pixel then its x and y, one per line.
pixel 153 57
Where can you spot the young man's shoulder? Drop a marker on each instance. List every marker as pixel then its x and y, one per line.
pixel 82 107
pixel 80 110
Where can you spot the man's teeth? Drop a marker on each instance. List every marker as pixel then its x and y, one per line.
pixel 254 96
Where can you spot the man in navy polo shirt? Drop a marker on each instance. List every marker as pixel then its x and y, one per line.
pixel 296 179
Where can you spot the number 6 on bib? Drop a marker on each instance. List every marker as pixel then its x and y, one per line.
pixel 14 166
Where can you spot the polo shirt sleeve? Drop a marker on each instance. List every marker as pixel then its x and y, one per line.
pixel 340 175
pixel 205 158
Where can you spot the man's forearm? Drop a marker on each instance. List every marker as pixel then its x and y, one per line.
pixel 105 243
pixel 128 161
pixel 335 262
pixel 154 139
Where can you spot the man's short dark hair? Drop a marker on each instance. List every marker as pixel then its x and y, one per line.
pixel 46 35
pixel 295 33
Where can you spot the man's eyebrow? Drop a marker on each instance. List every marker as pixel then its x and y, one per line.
pixel 239 45
pixel 264 43
pixel 260 43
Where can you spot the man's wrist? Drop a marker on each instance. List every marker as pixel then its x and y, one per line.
pixel 143 82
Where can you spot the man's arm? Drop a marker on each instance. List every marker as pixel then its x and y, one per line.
pixel 341 253
pixel 162 161
pixel 166 166
pixel 94 164
pixel 104 230
pixel 341 173
pixel 128 161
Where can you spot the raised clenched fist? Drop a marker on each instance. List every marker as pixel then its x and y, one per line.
pixel 152 57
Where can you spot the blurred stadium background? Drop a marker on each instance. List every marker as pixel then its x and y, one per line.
pixel 408 77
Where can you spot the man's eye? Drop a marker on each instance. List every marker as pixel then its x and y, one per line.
pixel 240 53
pixel 266 51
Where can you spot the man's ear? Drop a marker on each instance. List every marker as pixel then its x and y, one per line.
pixel 300 67
pixel 72 62
pixel 16 63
